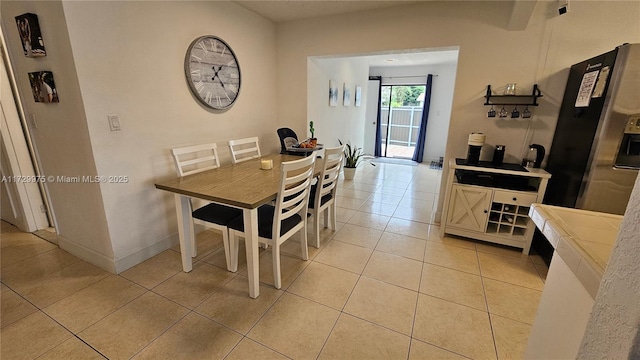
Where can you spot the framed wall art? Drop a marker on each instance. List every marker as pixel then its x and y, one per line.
pixel 333 93
pixel 346 95
pixel 30 35
pixel 358 96
pixel 43 87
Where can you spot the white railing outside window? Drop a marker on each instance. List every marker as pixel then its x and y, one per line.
pixel 405 123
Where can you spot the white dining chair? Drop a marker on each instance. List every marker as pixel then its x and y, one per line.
pixel 278 223
pixel 244 149
pixel 323 194
pixel 191 160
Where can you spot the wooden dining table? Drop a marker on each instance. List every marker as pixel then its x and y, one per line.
pixel 245 186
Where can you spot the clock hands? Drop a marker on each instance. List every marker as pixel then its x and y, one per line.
pixel 215 73
pixel 219 79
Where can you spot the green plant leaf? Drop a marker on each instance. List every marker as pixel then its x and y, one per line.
pixel 352 155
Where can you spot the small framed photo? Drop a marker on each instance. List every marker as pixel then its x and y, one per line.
pixel 30 35
pixel 43 87
pixel 346 95
pixel 358 96
pixel 333 93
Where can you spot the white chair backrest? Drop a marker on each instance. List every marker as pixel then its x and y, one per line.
pixel 332 164
pixel 244 149
pixel 195 159
pixel 293 193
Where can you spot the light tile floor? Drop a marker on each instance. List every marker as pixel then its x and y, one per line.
pixel 383 286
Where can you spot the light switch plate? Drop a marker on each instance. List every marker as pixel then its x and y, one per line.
pixel 114 122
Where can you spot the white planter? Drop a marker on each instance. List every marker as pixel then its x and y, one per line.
pixel 349 173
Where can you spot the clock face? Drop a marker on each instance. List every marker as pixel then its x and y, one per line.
pixel 212 72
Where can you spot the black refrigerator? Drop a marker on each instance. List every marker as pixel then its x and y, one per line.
pixel 596 127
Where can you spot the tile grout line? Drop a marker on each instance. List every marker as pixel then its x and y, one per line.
pixel 484 291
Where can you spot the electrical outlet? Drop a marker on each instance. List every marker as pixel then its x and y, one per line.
pixel 114 122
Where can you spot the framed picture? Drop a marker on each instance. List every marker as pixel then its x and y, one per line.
pixel 333 93
pixel 358 96
pixel 43 87
pixel 30 35
pixel 346 95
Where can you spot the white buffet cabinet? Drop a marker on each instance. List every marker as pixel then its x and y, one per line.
pixel 496 208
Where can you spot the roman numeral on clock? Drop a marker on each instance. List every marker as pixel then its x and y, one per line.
pixel 199 86
pixel 204 49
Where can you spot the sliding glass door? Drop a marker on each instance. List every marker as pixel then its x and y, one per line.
pixel 400 115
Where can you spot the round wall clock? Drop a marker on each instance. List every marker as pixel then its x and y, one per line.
pixel 212 72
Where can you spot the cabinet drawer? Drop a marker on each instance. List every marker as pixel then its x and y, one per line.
pixel 514 197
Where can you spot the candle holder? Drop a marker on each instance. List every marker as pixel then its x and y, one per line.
pixel 266 164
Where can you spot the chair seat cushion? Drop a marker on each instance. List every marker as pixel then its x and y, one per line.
pixel 265 222
pixel 312 198
pixel 217 214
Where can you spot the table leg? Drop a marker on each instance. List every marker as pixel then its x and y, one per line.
pixel 185 231
pixel 251 245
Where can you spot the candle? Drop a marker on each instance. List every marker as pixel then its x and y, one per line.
pixel 266 164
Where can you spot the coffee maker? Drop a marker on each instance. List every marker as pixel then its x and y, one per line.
pixel 534 156
pixel 476 140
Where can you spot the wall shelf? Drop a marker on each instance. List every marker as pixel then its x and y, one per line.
pixel 529 100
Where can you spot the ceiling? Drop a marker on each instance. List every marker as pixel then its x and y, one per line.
pixel 286 10
pixel 282 11
pixel 414 58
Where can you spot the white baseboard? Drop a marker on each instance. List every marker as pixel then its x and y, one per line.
pixel 118 265
pixel 86 254
pixel 138 256
pixel 437 218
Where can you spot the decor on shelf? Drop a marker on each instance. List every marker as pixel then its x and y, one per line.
pixel 511 99
pixel 43 87
pixel 30 35
pixel 352 156
pixel 346 95
pixel 333 93
pixel 212 72
pixel 358 96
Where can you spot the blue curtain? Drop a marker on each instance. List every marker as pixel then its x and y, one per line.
pixel 418 153
pixel 377 152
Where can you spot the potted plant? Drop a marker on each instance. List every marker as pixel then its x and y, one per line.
pixel 313 141
pixel 352 156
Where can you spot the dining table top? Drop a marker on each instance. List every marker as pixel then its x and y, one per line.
pixel 245 185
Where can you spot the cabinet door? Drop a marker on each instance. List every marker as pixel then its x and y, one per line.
pixel 469 207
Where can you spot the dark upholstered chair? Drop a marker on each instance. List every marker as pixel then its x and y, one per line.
pixel 284 133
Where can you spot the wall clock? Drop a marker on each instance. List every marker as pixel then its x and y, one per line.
pixel 212 71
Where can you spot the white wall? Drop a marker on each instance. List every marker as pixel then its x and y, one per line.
pixel 336 122
pixel 613 331
pixel 130 62
pixel 129 58
pixel 489 54
pixel 441 99
pixel 62 135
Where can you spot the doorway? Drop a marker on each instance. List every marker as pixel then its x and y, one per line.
pixel 401 109
pixel 22 195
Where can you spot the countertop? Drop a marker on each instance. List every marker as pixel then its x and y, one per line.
pixel 584 239
pixel 506 169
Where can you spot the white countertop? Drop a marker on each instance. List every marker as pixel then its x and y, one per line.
pixel 584 239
